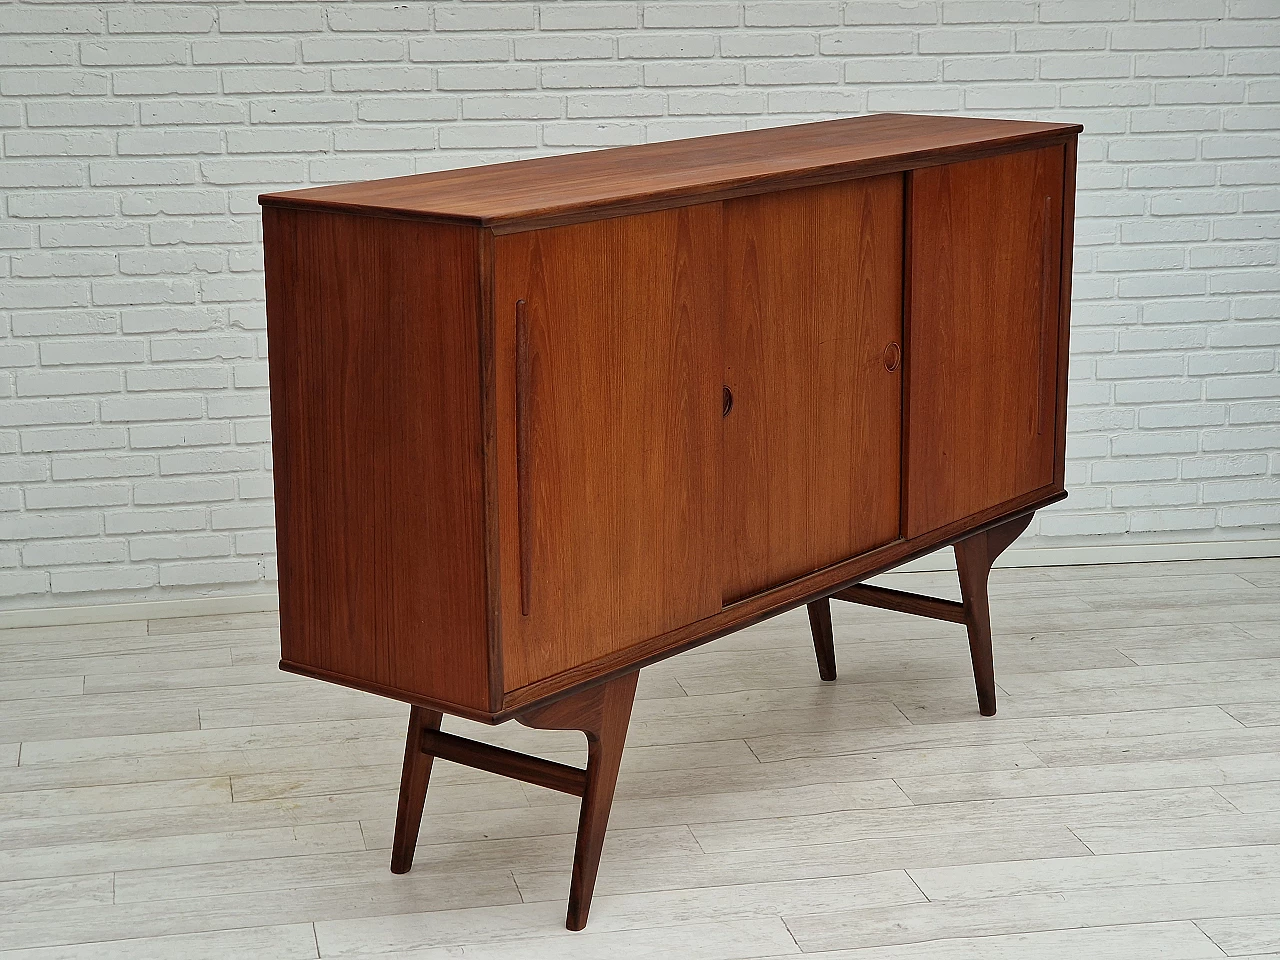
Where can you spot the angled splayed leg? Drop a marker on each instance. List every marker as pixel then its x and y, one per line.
pixel 974 557
pixel 413 788
pixel 823 640
pixel 602 713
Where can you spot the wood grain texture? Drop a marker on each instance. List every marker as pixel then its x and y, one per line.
pixel 772 602
pixel 414 779
pixel 984 337
pixel 974 557
pixel 1064 309
pixel 622 430
pixel 506 763
pixel 489 448
pixel 592 184
pixel 594 501
pixel 824 646
pixel 902 602
pixel 603 714
pixel 524 479
pixel 375 402
pixel 813 298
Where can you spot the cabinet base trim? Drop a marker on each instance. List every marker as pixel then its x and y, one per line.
pixel 735 617
pixel 395 693
pixel 760 607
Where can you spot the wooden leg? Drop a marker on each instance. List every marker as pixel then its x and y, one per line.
pixel 602 713
pixel 413 788
pixel 974 557
pixel 823 641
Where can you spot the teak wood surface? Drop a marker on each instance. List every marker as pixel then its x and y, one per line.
pixel 580 414
pixel 374 401
pixel 984 333
pixel 616 496
pixel 812 301
pixel 603 714
pixel 532 433
pixel 533 193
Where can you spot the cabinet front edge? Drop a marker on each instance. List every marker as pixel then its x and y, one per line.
pixel 393 693
pixel 486 332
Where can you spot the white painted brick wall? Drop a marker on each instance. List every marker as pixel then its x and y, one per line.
pixel 134 454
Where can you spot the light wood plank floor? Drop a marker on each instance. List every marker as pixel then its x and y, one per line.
pixel 166 792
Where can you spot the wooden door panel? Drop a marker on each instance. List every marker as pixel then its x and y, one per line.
pixel 813 296
pixel 617 421
pixel 985 248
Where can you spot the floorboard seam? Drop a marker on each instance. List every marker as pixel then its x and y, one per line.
pixel 1196 924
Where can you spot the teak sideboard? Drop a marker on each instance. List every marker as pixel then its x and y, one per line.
pixel 538 424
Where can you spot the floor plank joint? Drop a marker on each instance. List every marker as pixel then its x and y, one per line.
pixel 166 791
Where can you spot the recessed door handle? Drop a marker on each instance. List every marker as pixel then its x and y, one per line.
pixel 524 492
pixel 892 356
pixel 728 402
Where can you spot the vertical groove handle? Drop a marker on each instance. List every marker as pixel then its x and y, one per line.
pixel 524 501
pixel 1045 284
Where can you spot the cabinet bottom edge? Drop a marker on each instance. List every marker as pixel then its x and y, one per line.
pixel 760 606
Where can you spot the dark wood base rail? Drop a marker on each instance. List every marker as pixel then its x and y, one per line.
pixel 902 602
pixel 975 556
pixel 506 763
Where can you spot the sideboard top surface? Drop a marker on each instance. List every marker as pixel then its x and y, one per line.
pixel 599 183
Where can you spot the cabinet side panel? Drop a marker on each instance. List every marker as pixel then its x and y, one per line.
pixel 984 337
pixel 609 416
pixel 376 430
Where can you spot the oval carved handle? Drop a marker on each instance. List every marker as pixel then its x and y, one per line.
pixel 892 356
pixel 728 402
